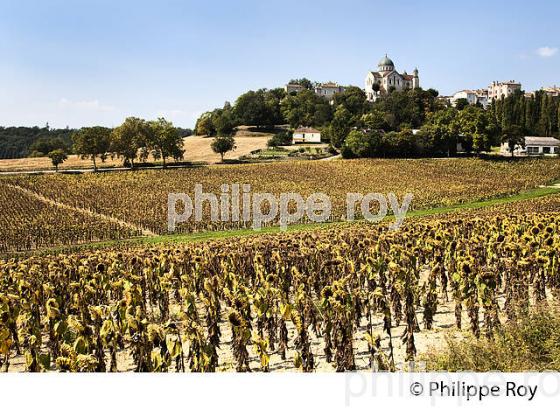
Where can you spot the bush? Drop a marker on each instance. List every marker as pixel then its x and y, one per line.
pixel 282 138
pixel 530 344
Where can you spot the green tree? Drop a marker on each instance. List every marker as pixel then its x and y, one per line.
pixel 130 137
pixel 223 121
pixel 46 144
pixel 223 144
pixel 204 125
pixel 92 142
pixel 513 136
pixel 440 131
pixel 354 100
pixel 306 108
pixel 164 140
pixel 304 82
pixel 374 120
pixel 477 129
pixel 57 156
pixel 461 103
pixel 259 108
pixel 340 126
pixel 362 144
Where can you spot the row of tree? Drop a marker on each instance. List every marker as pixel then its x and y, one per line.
pixel 134 139
pixel 537 115
pixel 472 128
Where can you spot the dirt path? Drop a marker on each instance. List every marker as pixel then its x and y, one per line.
pixel 145 232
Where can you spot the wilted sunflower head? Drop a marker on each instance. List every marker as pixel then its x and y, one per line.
pixel 327 292
pixel 466 268
pixel 234 318
pixel 100 268
pixel 533 244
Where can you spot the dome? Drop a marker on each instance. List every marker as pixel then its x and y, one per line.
pixel 386 61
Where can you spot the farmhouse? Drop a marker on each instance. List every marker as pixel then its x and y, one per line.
pixel 534 146
pixel 306 134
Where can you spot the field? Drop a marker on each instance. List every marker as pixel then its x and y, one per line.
pixel 333 297
pixel 137 200
pixel 336 299
pixel 197 149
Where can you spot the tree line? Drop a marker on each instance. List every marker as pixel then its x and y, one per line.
pixel 21 142
pixel 135 139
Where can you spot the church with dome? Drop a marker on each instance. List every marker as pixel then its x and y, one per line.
pixel 387 78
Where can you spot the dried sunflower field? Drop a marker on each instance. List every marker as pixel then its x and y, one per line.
pixel 91 207
pixel 335 299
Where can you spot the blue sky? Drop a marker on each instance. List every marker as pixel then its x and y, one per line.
pixel 80 63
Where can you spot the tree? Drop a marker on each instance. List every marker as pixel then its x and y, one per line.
pixel 440 131
pixel 205 125
pixel 304 82
pixel 461 103
pixel 223 121
pixel 361 144
pixel 164 140
pixel 128 138
pixel 259 108
pixel 306 108
pixel 223 144
pixel 354 100
pixel 477 129
pixel 513 136
pixel 57 156
pixel 92 142
pixel 374 120
pixel 340 126
pixel 46 144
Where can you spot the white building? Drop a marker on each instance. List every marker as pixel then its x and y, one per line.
pixel 293 88
pixel 386 78
pixel 328 90
pixel 534 146
pixel 473 97
pixel 497 89
pixel 551 91
pixel 306 134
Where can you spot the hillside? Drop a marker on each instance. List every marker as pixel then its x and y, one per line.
pixel 197 149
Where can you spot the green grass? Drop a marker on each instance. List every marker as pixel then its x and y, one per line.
pixel 531 343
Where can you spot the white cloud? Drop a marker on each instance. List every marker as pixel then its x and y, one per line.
pixel 88 105
pixel 546 52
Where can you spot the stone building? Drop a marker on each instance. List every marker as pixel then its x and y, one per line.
pixel 386 78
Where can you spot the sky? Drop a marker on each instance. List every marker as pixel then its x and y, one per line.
pixel 82 63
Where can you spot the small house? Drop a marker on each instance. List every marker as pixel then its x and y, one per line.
pixel 534 146
pixel 306 135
